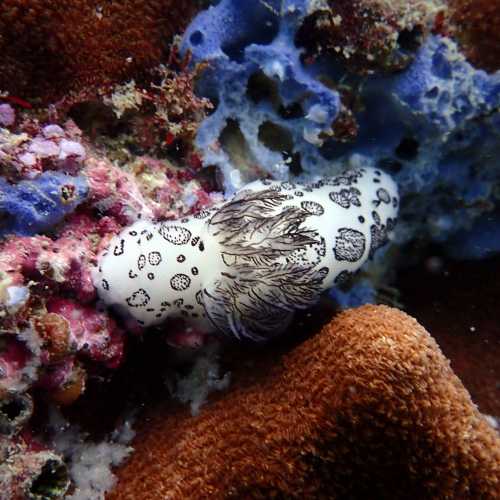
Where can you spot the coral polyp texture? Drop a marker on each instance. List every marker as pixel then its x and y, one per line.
pixel 49 50
pixel 476 25
pixel 368 407
pixel 369 35
pixel 243 267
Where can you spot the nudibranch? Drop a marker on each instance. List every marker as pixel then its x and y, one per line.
pixel 244 266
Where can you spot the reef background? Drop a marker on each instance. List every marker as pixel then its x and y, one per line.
pixel 115 111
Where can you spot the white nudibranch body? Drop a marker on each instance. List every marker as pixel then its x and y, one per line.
pixel 244 266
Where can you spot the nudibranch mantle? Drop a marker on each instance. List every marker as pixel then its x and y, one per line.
pixel 244 266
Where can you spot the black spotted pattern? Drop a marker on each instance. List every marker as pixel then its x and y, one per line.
pixel 154 258
pixel 141 262
pixel 140 298
pixel 180 282
pixel 119 249
pixel 346 197
pixel 177 235
pixel 105 284
pixel 312 208
pixel 349 245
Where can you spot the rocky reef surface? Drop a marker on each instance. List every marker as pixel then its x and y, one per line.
pixel 107 117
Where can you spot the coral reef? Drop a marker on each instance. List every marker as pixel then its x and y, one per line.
pixel 49 50
pixel 29 471
pixel 368 407
pixel 435 125
pixel 476 23
pixel 244 267
pixel 368 35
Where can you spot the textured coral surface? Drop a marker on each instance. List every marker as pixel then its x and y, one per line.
pixel 369 407
pixel 50 47
pixel 478 29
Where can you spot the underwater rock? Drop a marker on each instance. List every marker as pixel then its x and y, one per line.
pixel 368 407
pixel 49 51
pixel 243 267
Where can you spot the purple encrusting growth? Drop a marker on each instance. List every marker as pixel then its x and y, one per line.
pixel 32 206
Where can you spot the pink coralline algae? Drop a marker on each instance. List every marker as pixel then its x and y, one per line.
pixel 33 149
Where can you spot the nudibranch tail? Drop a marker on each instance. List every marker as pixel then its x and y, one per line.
pixel 243 267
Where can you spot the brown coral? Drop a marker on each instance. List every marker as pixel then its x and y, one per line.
pixel 477 28
pixel 369 35
pixel 49 48
pixel 368 408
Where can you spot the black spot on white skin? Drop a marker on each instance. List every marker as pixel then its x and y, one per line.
pixel 377 172
pixel 312 207
pixel 133 233
pixel 177 235
pixel 383 195
pixel 349 245
pixel 275 187
pixel 181 258
pixel 361 219
pixel 158 315
pixel 149 236
pixel 202 246
pixel 288 185
pixel 394 202
pixel 100 269
pixel 131 274
pixel 140 298
pixel 320 247
pixel 376 218
pixel 141 262
pixel 195 241
pixel 151 276
pixel 376 181
pixel 348 178
pixel 298 193
pixel 165 304
pixel 139 241
pixel 194 270
pixel 140 322
pixel 346 197
pixel 184 220
pixel 178 302
pixel 154 258
pixel 119 248
pixel 199 296
pixel 202 215
pixel 189 307
pixel 105 284
pixel 194 315
pixel 180 282
pixel 150 309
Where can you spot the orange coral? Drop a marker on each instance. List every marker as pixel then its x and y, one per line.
pixel 368 408
pixel 49 47
pixel 477 24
